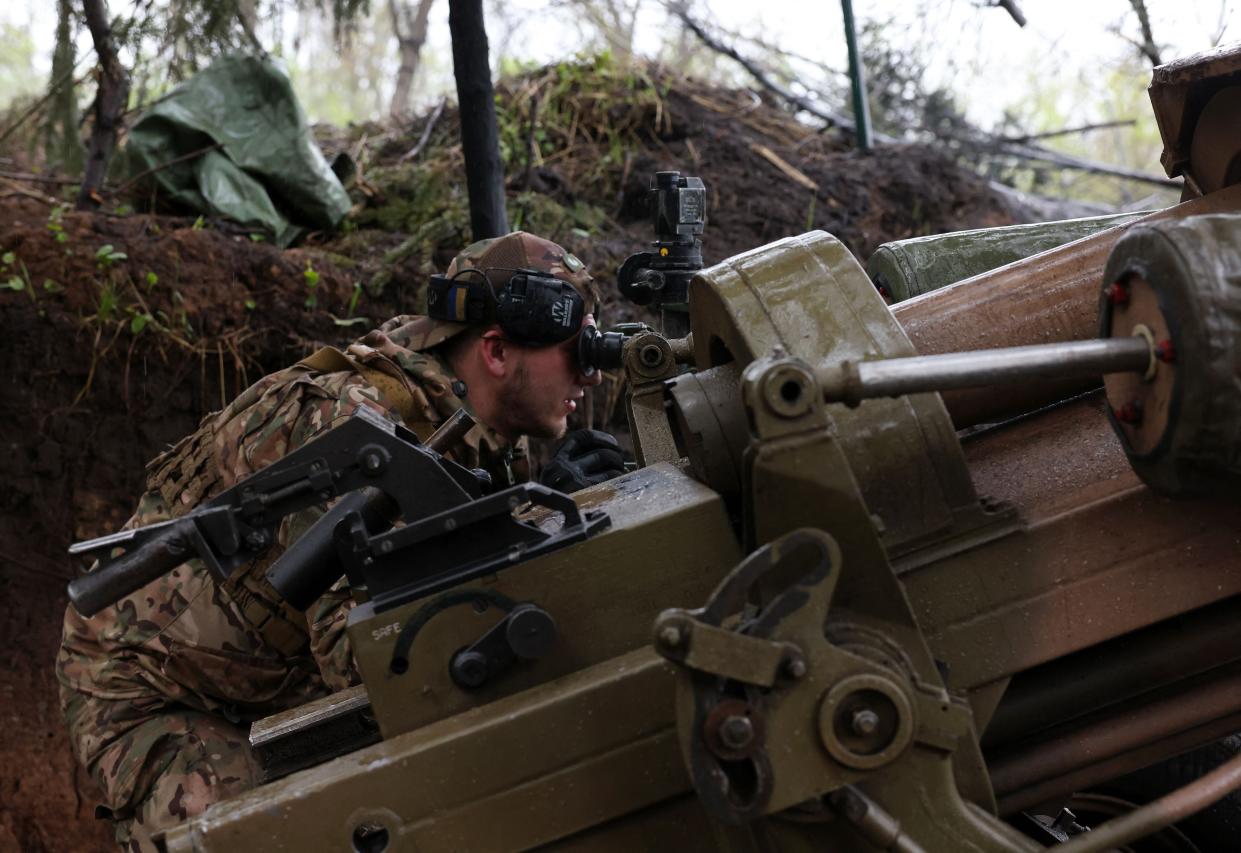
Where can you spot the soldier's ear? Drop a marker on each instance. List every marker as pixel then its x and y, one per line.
pixel 496 353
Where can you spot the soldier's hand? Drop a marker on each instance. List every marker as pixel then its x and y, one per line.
pixel 586 457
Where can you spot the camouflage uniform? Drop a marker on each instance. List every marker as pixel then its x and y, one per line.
pixel 158 690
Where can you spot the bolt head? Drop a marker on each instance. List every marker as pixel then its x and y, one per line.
pixel 671 636
pixel 736 732
pixel 865 722
pixel 795 667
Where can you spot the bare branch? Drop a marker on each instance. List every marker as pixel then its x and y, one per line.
pixel 1148 47
pixel 426 134
pixel 760 75
pixel 1010 6
pixel 1085 128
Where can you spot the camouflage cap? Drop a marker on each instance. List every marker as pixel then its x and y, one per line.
pixel 498 258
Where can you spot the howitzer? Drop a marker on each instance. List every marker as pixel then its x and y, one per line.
pixel 821 618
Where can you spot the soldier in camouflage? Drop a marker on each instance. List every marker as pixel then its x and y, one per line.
pixel 159 689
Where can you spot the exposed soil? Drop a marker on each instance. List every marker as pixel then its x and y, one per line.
pixel 106 360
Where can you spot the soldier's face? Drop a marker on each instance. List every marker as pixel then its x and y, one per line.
pixel 545 388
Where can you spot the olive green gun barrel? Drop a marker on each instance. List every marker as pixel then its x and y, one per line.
pixel 851 382
pixel 1053 296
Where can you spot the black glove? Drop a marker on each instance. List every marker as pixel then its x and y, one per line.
pixel 586 457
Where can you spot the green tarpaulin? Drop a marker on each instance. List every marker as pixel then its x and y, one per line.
pixel 265 170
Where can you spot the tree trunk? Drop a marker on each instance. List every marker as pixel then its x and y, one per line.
pixel 64 146
pixel 484 173
pixel 411 35
pixel 111 98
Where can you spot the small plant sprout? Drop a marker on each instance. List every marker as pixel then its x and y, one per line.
pixel 109 300
pixel 152 279
pixel 353 299
pixel 106 256
pixel 312 281
pixel 56 225
pixel 16 281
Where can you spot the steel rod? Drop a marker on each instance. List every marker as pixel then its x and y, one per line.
pixel 852 382
pixel 1113 734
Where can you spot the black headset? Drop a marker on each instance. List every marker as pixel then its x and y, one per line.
pixel 534 308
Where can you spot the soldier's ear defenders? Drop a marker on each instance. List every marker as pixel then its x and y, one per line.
pixel 533 309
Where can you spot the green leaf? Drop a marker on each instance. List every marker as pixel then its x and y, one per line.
pixel 257 238
pixel 51 286
pixel 251 304
pixel 198 224
pixel 8 258
pixel 103 251
pixel 139 322
pixel 152 279
pixel 14 283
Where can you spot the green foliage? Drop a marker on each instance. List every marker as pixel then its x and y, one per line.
pixel 139 322
pixel 55 223
pixel 18 278
pixel 414 194
pixel 590 99
pixel 106 255
pixel 18 79
pixel 312 282
pixel 109 301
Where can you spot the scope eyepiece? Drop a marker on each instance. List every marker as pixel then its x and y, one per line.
pixel 599 350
